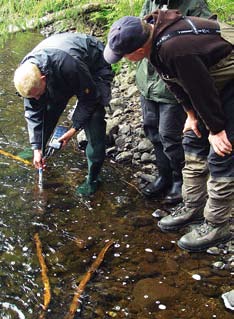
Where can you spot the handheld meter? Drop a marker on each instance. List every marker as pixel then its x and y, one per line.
pixel 58 132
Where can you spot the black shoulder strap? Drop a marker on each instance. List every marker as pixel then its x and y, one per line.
pixel 193 30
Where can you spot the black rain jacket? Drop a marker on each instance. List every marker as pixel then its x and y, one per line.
pixel 74 66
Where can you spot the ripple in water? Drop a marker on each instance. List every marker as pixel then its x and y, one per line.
pixel 8 306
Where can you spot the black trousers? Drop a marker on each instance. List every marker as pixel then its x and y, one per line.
pixel 163 125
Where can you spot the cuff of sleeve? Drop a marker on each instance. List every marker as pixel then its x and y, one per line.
pixel 76 127
pixel 35 147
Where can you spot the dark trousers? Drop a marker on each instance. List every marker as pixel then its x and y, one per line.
pixel 163 125
pixel 209 178
pixel 95 131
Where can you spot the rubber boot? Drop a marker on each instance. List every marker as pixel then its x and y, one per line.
pixel 88 187
pixel 158 188
pixel 174 196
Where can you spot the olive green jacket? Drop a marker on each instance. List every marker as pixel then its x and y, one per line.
pixel 148 81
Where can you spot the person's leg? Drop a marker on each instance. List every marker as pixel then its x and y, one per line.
pixel 157 188
pixel 195 175
pixel 171 123
pixel 95 132
pixel 219 206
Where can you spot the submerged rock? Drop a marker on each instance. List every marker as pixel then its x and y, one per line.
pixel 228 298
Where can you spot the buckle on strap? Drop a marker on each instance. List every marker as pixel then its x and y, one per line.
pixel 194 28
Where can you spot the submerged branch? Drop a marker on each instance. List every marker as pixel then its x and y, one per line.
pixel 44 270
pixel 79 290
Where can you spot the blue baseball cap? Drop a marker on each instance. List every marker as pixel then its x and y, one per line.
pixel 126 35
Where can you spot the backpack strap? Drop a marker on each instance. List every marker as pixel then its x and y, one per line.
pixel 193 30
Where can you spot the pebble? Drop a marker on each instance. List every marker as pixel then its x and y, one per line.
pixel 196 277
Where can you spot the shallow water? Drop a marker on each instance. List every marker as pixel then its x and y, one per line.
pixel 143 275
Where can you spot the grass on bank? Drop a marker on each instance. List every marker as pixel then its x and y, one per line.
pixel 17 12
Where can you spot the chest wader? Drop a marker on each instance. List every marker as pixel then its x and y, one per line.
pixel 215 202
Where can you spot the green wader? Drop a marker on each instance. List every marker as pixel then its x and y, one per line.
pixel 95 132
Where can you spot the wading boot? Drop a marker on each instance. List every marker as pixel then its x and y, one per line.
pixel 88 188
pixel 205 236
pixel 174 196
pixel 158 188
pixel 180 218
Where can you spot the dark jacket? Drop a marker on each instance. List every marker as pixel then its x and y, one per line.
pixel 183 62
pixel 147 80
pixel 74 66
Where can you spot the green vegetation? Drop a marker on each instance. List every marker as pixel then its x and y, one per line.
pixel 19 12
pixel 224 9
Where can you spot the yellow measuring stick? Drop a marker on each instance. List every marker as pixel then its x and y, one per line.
pixel 17 158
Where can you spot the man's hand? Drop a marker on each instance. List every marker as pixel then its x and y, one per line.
pixel 37 159
pixel 65 138
pixel 191 124
pixel 220 143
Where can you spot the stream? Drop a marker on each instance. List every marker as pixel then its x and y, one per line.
pixel 143 274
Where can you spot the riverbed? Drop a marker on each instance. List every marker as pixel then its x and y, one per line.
pixel 143 273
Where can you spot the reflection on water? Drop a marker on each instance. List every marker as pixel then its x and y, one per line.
pixel 144 275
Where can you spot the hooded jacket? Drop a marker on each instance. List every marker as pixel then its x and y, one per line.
pixel 183 61
pixel 148 81
pixel 74 66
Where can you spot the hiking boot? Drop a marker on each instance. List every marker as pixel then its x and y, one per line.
pixel 204 236
pixel 178 219
pixel 88 188
pixel 174 196
pixel 158 188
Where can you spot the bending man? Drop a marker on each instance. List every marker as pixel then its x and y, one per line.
pixel 62 66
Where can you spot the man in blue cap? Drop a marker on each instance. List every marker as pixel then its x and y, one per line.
pixel 195 57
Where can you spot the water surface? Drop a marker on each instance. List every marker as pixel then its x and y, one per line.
pixel 143 275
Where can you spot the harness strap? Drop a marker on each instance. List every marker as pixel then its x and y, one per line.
pixel 194 30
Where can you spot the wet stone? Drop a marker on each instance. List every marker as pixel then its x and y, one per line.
pixel 147 291
pixel 219 265
pixel 124 157
pixel 159 213
pixel 214 251
pixel 141 221
pixel 228 298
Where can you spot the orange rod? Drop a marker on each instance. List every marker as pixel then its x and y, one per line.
pixel 15 157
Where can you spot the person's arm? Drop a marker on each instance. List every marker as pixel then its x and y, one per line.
pixel 34 119
pixel 198 85
pixel 220 143
pixel 191 123
pixel 65 138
